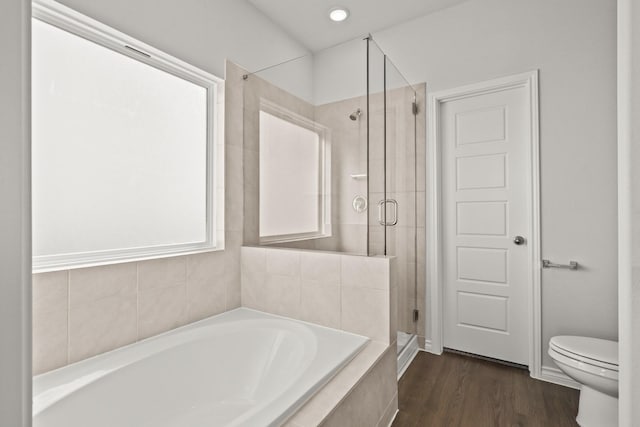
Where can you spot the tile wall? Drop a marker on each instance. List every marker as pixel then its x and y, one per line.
pixel 349 292
pixel 83 312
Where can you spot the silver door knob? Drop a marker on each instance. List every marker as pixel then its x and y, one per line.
pixel 518 240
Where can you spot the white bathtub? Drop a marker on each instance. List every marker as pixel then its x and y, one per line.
pixel 240 368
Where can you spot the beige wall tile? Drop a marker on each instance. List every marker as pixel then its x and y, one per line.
pixel 283 262
pixel 389 413
pixel 282 295
pixel 205 268
pixel 353 238
pixel 253 291
pixel 369 401
pixel 102 325
pixel 338 389
pixel 50 334
pixel 234 182
pixel 87 285
pixel 50 339
pixel 50 291
pixel 251 218
pixel 232 274
pixel 366 312
pixel 252 172
pixel 162 273
pixel 205 300
pixel 234 103
pixel 254 259
pixel 320 267
pixel 234 295
pixel 161 309
pixel 365 272
pixel 321 304
pixel 207 283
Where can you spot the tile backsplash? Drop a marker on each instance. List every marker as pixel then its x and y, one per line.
pixel 349 292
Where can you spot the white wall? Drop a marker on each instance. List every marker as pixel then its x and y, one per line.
pixel 629 208
pixel 340 72
pixel 573 43
pixel 15 240
pixel 202 33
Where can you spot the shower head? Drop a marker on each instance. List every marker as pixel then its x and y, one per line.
pixel 355 115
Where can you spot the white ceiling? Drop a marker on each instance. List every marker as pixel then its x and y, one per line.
pixel 308 20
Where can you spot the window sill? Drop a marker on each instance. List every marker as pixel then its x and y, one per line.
pixel 121 259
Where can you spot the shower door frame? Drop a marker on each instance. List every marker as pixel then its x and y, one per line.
pixel 434 231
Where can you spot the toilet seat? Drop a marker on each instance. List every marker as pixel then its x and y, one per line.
pixel 591 351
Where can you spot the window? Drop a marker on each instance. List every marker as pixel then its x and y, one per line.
pixel 294 177
pixel 124 157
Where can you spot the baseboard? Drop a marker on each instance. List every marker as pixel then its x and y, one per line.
pixel 548 374
pixel 407 355
pixel 556 376
pixel 428 347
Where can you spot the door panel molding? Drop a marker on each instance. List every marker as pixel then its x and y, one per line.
pixel 434 231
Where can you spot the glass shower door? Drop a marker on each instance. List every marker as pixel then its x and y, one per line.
pixel 400 176
pixel 392 181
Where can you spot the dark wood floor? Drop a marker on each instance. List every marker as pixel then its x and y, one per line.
pixel 454 390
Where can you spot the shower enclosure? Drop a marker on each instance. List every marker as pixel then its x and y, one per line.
pixel 333 158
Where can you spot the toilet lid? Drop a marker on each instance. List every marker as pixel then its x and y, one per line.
pixel 594 351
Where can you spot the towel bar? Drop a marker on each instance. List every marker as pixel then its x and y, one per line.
pixel 573 265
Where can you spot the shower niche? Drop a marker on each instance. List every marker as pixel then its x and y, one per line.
pixel 334 160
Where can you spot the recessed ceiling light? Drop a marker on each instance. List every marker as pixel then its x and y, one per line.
pixel 338 14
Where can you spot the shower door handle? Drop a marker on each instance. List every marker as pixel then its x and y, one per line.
pixel 382 204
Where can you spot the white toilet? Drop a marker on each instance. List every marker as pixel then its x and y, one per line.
pixel 593 363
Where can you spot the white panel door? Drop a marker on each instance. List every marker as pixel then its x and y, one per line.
pixel 485 138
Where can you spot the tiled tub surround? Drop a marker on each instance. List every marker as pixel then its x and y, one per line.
pixel 241 368
pixel 349 292
pixel 83 312
pixel 363 394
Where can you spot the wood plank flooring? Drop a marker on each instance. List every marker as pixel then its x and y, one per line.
pixel 455 390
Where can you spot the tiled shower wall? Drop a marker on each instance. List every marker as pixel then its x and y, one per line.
pixel 83 312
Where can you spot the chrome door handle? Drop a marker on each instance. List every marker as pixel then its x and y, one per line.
pixel 519 240
pixel 382 204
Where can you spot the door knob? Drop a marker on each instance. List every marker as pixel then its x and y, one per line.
pixel 518 240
